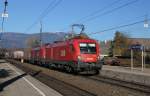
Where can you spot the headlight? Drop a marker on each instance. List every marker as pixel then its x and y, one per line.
pixel 98 57
pixel 79 57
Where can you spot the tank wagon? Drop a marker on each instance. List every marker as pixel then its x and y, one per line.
pixel 18 54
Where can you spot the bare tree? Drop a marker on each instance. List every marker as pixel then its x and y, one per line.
pixel 32 42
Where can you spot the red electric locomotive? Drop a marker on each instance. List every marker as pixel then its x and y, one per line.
pixel 76 54
pixel 38 55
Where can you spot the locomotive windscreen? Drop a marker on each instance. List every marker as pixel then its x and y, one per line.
pixel 87 48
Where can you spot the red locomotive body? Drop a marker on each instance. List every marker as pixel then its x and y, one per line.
pixel 38 54
pixel 76 55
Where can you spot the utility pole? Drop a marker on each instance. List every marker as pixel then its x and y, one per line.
pixel 4 15
pixel 41 33
pixel 146 25
pixel 146 21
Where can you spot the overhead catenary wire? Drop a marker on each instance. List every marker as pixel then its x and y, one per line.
pixel 95 12
pixel 52 5
pixel 117 27
pixel 110 11
pixel 93 15
pixel 99 10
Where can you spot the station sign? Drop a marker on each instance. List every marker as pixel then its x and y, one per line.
pixel 136 47
pixel 5 15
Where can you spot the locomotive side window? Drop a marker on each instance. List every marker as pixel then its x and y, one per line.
pixel 87 48
pixel 63 53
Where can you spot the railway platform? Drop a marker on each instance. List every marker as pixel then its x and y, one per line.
pixel 17 83
pixel 126 73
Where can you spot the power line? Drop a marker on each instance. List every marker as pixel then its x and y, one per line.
pixel 93 15
pixel 110 11
pixel 55 5
pixel 117 27
pixel 99 10
pixel 46 10
pixel 50 7
pixel 95 12
pixel 41 15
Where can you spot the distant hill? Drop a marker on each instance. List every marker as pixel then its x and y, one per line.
pixel 18 40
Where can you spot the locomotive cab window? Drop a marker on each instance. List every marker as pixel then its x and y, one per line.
pixel 87 48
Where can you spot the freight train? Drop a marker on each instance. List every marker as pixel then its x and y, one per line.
pixel 77 53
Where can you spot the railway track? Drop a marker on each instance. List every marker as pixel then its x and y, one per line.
pixel 64 88
pixel 117 82
pixel 77 91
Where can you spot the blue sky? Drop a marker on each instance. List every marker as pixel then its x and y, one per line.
pixel 23 13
